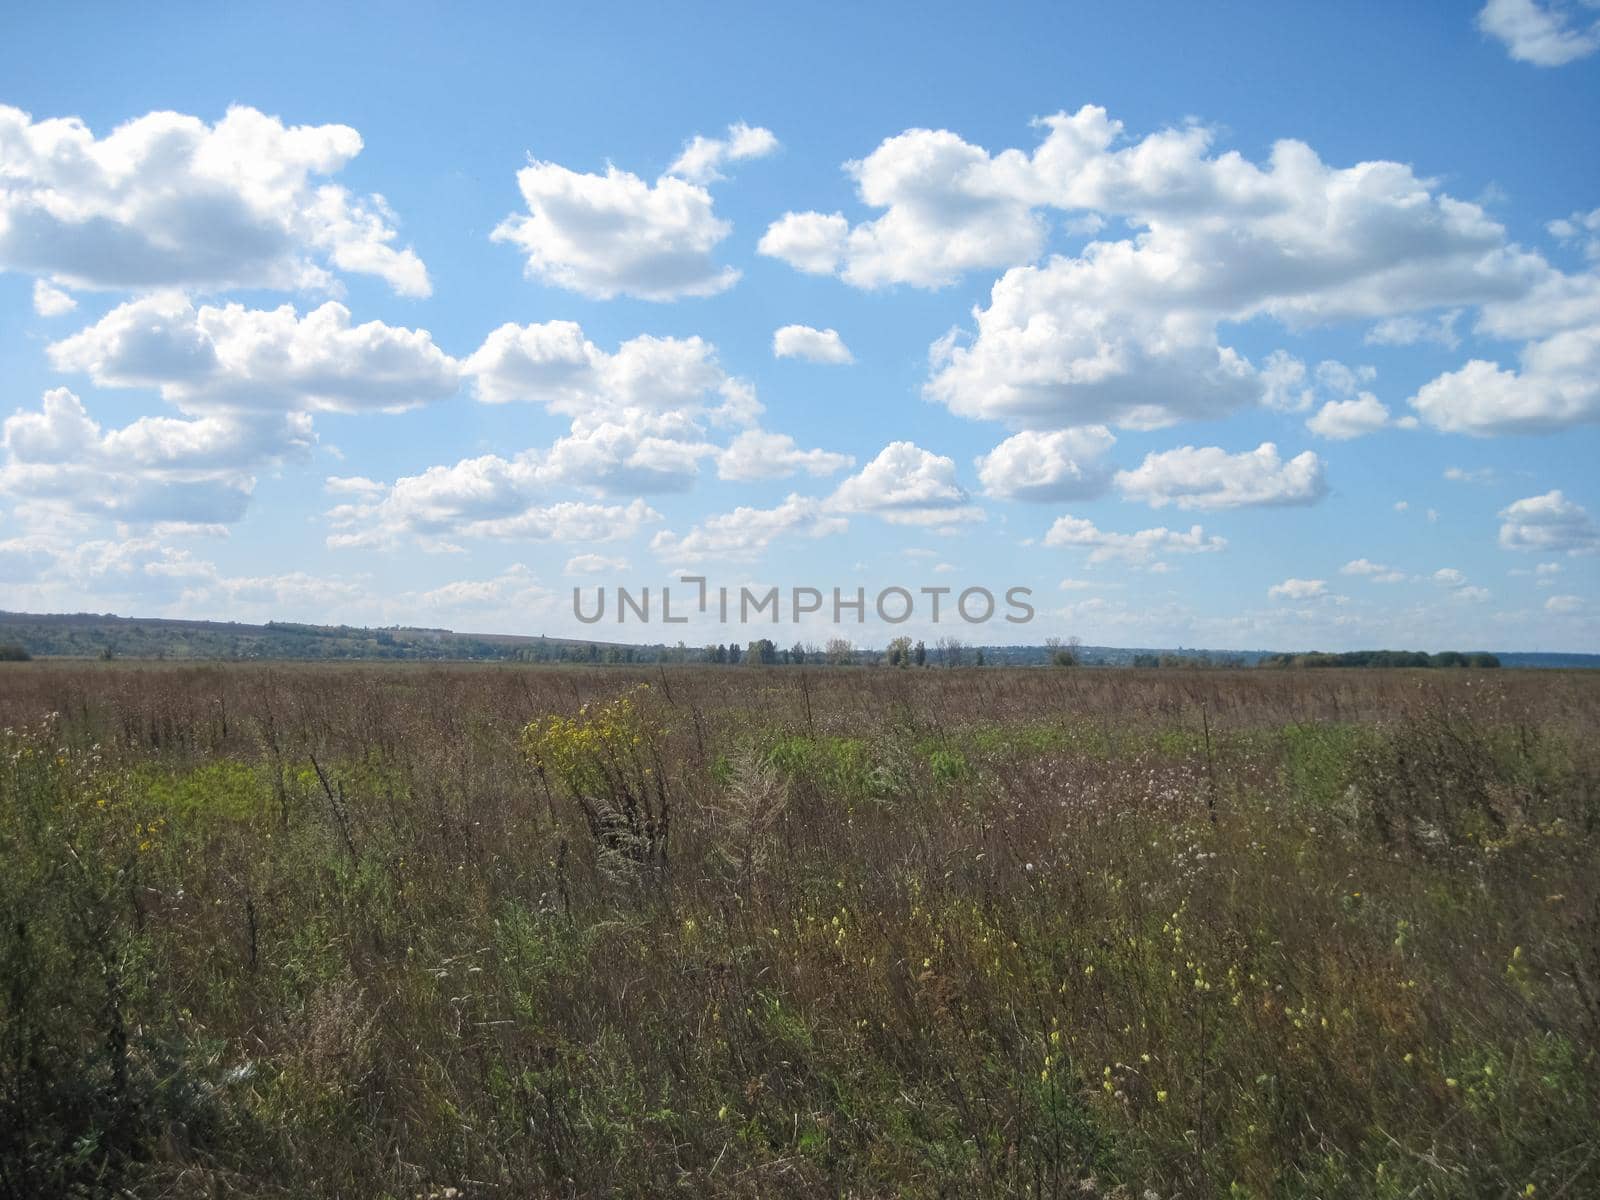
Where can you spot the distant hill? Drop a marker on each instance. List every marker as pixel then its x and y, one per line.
pixel 104 635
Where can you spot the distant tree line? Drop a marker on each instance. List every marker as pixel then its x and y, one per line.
pixel 1187 662
pixel 92 636
pixel 1383 658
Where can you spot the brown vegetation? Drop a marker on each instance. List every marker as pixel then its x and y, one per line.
pixel 497 931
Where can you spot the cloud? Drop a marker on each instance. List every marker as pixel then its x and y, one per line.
pixel 1298 589
pixel 951 208
pixel 1062 465
pixel 907 485
pixel 744 534
pixel 436 520
pixel 1211 478
pixel 554 364
pixel 352 485
pixel 1581 229
pixel 488 497
pixel 51 301
pixel 642 416
pixel 1456 581
pixel 640 454
pixel 1565 604
pixel 813 345
pixel 1126 331
pixel 238 359
pixel 1541 34
pixel 1140 547
pixel 614 234
pixel 756 454
pixel 157 469
pixel 593 564
pixel 1043 360
pixel 1463 475
pixel 147 575
pixel 140 567
pixel 1341 420
pixel 294 590
pixel 515 589
pixel 1284 383
pixel 703 157
pixel 1376 572
pixel 811 242
pixel 1411 331
pixel 1548 524
pixel 167 200
pixel 1557 387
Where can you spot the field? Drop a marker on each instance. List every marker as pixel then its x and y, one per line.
pixel 431 931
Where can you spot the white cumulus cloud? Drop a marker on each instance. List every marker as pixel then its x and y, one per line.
pixel 1210 478
pixel 1557 387
pixel 1298 589
pixel 234 358
pixel 744 534
pixel 703 157
pixel 1126 332
pixel 907 485
pixel 814 345
pixel 1544 34
pixel 643 416
pixel 1341 420
pixel 1376 572
pixel 554 364
pixel 167 200
pixel 951 208
pixel 1064 464
pixel 488 497
pixel 1411 330
pixel 593 564
pixel 615 234
pixel 191 472
pixel 1548 524
pixel 1140 547
pixel 51 301
pixel 756 454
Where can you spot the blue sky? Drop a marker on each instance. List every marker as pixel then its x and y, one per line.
pixel 423 316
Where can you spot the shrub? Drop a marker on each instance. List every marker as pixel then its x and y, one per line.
pixel 607 759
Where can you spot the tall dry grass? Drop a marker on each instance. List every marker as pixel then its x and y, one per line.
pixel 359 931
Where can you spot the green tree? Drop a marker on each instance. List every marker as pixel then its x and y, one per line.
pixel 1063 653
